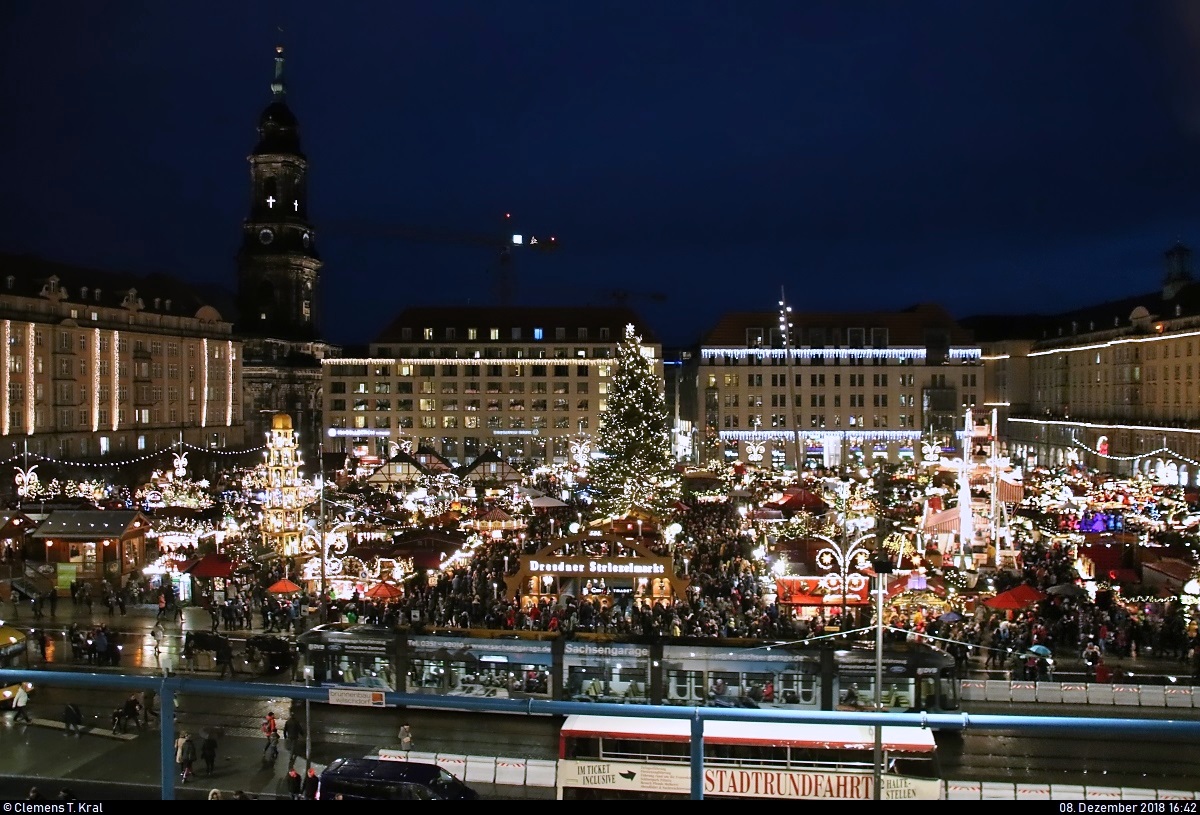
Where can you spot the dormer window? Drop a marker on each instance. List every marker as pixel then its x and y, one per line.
pixel 97 293
pixel 157 303
pixel 83 293
pixel 167 304
pixel 12 281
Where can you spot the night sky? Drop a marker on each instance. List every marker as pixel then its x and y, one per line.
pixel 1005 156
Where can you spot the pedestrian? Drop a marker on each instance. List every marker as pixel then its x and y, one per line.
pixel 185 755
pixel 271 731
pixel 21 705
pixel 295 784
pixel 189 651
pixel 53 602
pixel 157 633
pixel 120 604
pixel 208 752
pixel 311 784
pixel 72 720
pixel 148 712
pixel 178 606
pixel 293 732
pixel 162 606
pixel 43 642
pixel 214 795
pixel 405 736
pixel 238 795
pixel 225 657
pixel 34 794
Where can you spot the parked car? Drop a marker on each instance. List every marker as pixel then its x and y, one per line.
pixel 373 779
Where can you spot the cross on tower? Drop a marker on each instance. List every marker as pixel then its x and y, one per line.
pixel 296 204
pixel 270 202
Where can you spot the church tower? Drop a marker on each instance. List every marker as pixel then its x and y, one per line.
pixel 278 264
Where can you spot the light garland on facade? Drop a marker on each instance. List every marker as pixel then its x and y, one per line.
pixel 116 378
pixel 1109 343
pixel 29 382
pixel 7 373
pixel 95 379
pixel 1103 426
pixel 833 353
pixel 204 382
pixel 229 384
pixel 822 437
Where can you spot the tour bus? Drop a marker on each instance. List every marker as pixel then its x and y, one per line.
pixel 615 757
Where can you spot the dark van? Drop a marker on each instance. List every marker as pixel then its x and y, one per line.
pixel 373 779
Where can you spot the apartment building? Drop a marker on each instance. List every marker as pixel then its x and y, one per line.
pixel 524 382
pixel 102 365
pixel 833 389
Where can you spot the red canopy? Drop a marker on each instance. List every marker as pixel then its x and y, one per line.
pixel 1015 599
pixel 212 566
pixel 384 591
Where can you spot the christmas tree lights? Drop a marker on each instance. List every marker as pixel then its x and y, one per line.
pixel 636 469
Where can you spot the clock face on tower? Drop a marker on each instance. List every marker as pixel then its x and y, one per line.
pixel 266 236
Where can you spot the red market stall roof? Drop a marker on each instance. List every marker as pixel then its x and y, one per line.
pixel 211 566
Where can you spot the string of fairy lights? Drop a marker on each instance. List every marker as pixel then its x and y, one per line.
pixel 1167 451
pixel 104 465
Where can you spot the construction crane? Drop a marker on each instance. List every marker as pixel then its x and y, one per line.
pixel 503 243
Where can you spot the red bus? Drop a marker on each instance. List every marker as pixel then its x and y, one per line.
pixel 617 757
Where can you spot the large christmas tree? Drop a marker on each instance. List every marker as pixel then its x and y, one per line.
pixel 635 470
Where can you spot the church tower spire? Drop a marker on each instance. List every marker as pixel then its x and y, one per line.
pixel 278 264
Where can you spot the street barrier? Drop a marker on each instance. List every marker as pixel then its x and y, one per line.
pixel 1176 696
pixel 481 770
pixel 541 773
pixel 1126 695
pixel 1152 696
pixel 1049 692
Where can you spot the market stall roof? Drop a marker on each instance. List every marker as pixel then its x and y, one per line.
pixel 91 524
pixel 214 565
pixel 945 522
pixel 490 467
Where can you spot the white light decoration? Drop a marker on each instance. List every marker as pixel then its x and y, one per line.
pixel 180 464
pixel 229 384
pixel 523 362
pixel 581 451
pixel 848 561
pixel 204 383
pixel 27 481
pixel 29 383
pixel 826 437
pixel 754 451
pixel 95 379
pixel 114 372
pixel 7 373
pixel 1123 341
pixel 912 353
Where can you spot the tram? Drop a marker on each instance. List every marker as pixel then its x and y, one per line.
pixel 722 673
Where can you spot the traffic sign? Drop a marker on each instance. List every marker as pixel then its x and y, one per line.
pixel 357 698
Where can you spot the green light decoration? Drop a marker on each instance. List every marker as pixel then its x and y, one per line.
pixel 635 469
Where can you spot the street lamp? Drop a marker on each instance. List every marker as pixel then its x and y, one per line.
pixel 882 565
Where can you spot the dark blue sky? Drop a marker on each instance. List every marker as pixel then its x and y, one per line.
pixel 1000 156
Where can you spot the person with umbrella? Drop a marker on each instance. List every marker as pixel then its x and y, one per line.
pixel 1042 661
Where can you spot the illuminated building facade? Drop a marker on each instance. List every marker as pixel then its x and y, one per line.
pixel 1112 386
pixel 103 365
pixel 846 388
pixel 524 382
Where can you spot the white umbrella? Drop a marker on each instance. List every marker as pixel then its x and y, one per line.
pixel 546 501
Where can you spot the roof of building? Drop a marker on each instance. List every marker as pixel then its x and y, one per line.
pixel 85 523
pixel 526 318
pixel 28 276
pixel 906 327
